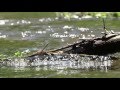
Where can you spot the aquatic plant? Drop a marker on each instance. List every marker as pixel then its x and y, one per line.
pixel 19 54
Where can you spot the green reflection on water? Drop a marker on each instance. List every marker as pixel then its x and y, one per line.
pixel 41 73
pixel 25 73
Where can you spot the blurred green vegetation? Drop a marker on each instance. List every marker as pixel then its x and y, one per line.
pixel 22 15
pixel 69 15
pixel 65 15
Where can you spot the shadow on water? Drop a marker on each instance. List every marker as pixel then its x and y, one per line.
pixel 32 34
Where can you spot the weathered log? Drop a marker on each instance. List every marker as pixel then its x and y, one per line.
pixel 93 46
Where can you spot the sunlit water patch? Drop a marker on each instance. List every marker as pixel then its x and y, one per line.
pixel 32 29
pixel 61 62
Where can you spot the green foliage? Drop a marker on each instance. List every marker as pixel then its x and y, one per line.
pixel 65 15
pixel 70 15
pixel 18 54
pixel 115 14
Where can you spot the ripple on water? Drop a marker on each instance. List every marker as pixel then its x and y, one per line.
pixel 61 62
pixel 32 29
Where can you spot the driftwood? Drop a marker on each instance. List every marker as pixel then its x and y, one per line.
pixel 107 44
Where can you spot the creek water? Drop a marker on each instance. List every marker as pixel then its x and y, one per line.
pixel 30 35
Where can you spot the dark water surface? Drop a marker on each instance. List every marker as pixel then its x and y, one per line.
pixel 30 35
